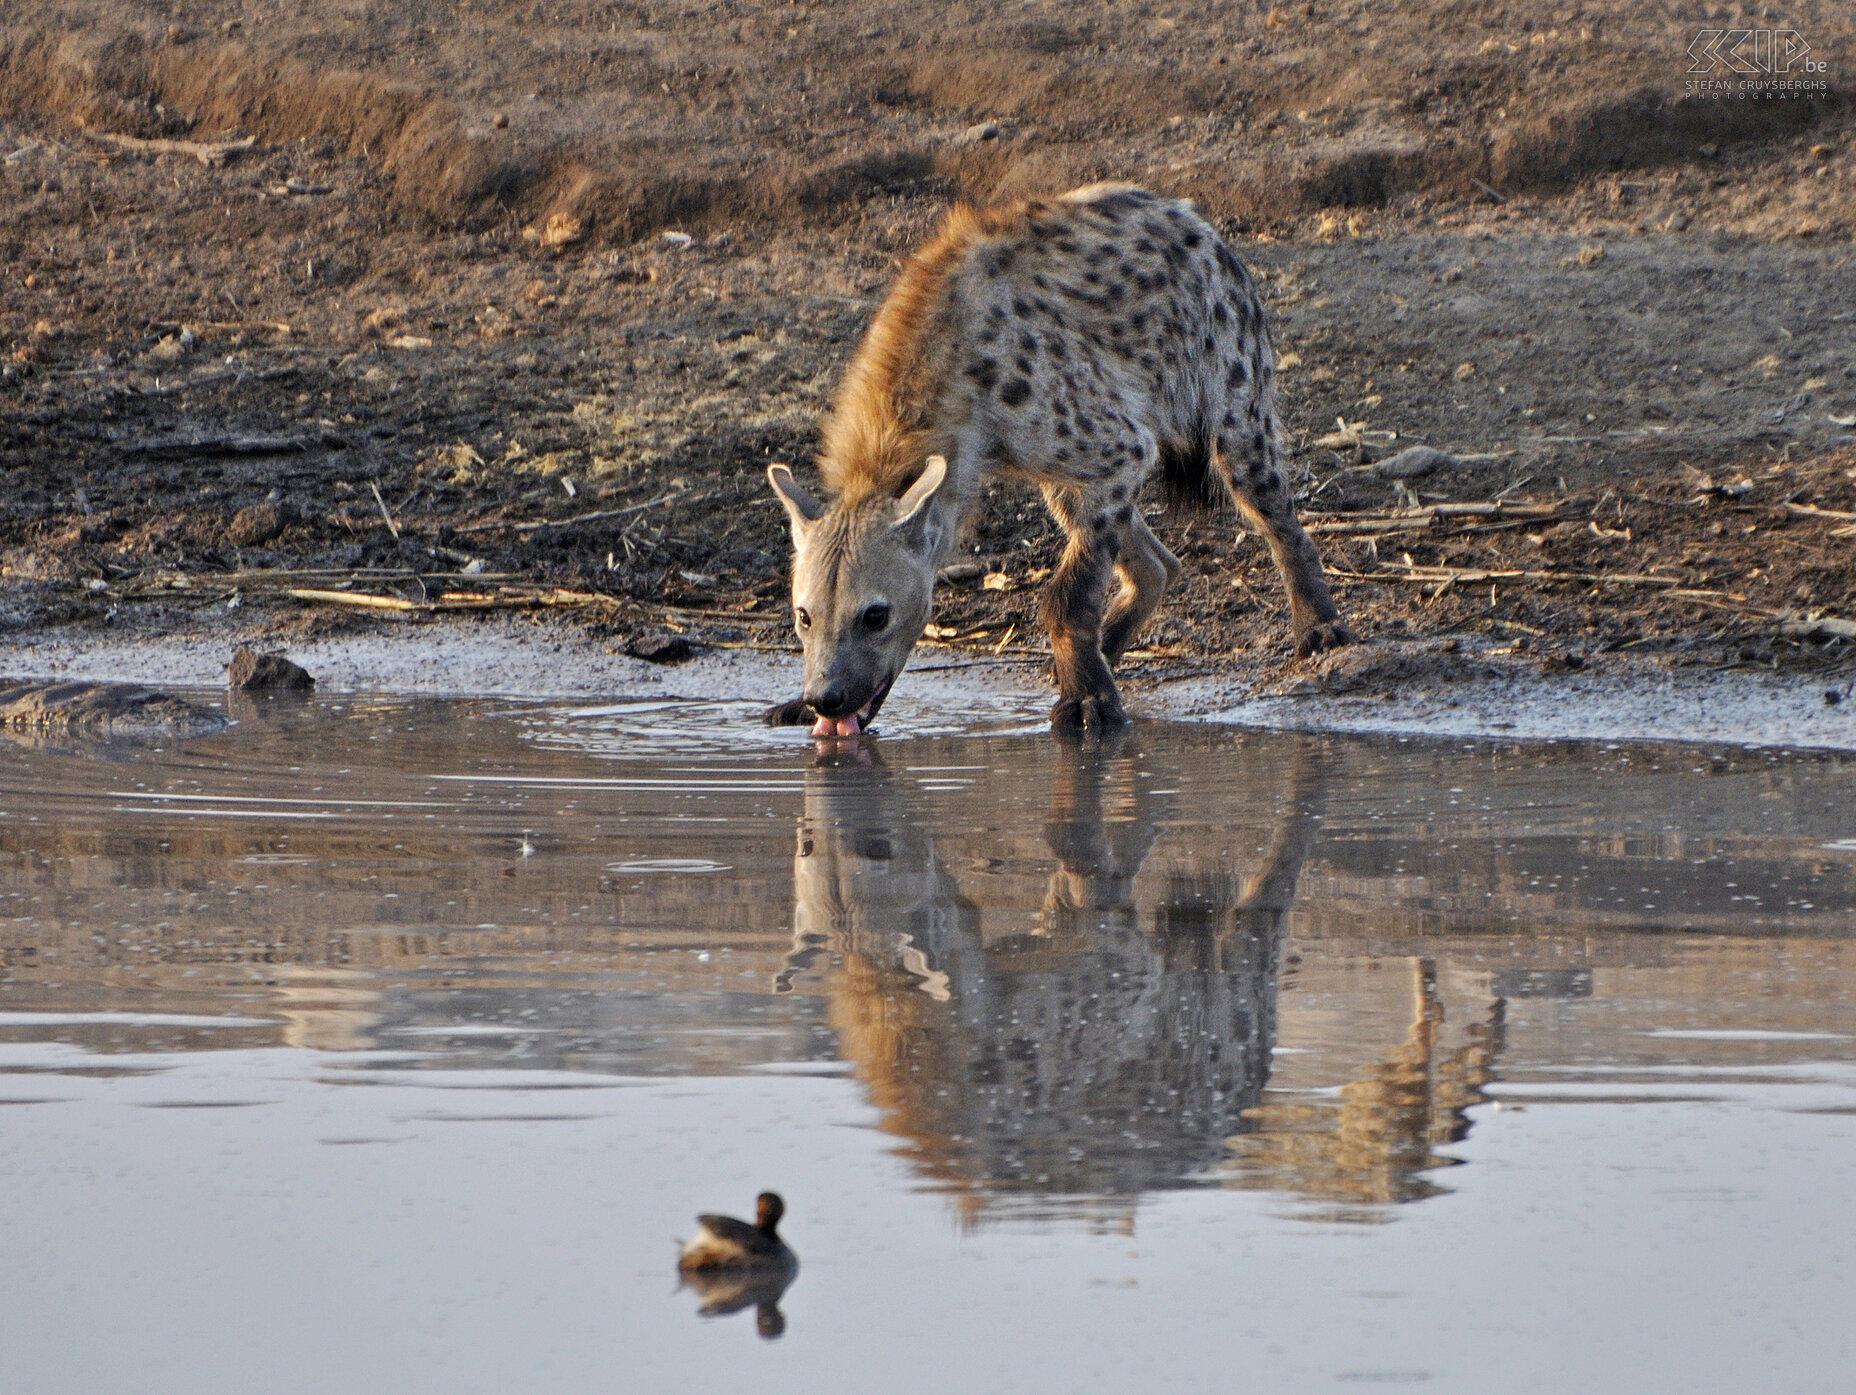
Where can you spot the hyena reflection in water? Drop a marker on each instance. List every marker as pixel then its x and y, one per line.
pixel 1085 1029
pixel 1079 342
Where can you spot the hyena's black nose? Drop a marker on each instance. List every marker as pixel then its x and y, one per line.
pixel 833 702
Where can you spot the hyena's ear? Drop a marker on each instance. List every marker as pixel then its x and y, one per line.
pixel 914 519
pixel 802 509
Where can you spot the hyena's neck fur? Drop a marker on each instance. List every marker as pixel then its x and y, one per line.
pixel 887 418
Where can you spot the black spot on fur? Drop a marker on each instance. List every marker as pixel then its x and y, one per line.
pixel 1118 493
pixel 1192 239
pixel 1027 341
pixel 1020 308
pixel 1023 365
pixel 1219 313
pixel 983 371
pixel 1057 351
pixel 1061 430
pixel 1235 378
pixel 1014 392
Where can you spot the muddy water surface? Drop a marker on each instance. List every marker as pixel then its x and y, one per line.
pixel 375 1043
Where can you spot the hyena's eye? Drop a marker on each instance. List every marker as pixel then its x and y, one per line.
pixel 804 619
pixel 876 618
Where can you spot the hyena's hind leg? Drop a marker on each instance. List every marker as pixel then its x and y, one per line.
pixel 1251 467
pixel 1087 696
pixel 1146 568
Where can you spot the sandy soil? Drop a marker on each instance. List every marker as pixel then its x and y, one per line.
pixel 430 319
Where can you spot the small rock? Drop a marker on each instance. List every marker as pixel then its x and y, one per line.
pixel 1832 697
pixel 677 241
pixel 101 528
pixel 256 524
pixel 986 130
pixel 1415 462
pixel 252 672
pixel 1464 371
pixel 996 581
pixel 1675 222
pixel 1709 151
pixel 500 121
pixel 562 230
pixel 961 572
pixel 172 347
pixel 661 649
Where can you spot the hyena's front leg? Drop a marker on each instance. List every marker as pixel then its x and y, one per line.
pixel 1087 697
pixel 1254 476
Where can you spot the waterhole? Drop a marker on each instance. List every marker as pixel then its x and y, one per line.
pixel 386 1044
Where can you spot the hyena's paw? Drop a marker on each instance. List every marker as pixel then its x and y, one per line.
pixel 1331 634
pixel 1092 714
pixel 797 713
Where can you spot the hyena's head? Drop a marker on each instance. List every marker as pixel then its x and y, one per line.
pixel 863 583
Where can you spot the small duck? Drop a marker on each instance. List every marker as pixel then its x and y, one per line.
pixel 726 1243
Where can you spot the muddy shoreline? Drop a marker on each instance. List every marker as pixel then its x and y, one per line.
pixel 420 313
pixel 1408 689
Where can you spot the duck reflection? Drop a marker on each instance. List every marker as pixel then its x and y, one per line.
pixel 1103 1042
pixel 722 1291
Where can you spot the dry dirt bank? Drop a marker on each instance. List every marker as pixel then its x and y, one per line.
pixel 348 351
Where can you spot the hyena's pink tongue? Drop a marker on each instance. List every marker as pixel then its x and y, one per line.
pixel 838 726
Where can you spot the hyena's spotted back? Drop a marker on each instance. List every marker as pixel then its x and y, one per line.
pixel 1111 327
pixel 1082 342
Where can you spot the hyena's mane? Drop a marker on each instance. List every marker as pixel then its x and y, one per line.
pixel 879 433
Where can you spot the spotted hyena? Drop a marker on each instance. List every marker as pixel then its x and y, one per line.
pixel 1080 342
